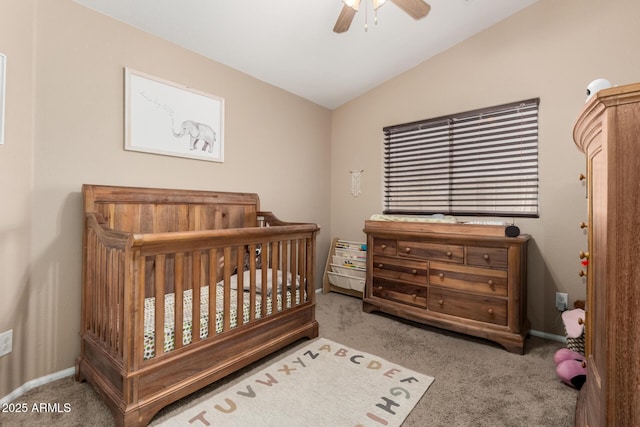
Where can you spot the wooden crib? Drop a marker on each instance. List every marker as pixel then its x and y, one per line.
pixel 238 281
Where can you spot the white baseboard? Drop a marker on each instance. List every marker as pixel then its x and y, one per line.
pixel 36 383
pixel 548 336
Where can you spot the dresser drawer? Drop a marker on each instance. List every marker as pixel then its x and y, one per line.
pixel 488 257
pixel 404 293
pixel 400 269
pixel 431 251
pixel 475 307
pixel 384 247
pixel 470 279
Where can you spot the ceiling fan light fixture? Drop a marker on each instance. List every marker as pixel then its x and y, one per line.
pixel 378 3
pixel 353 4
pixel 417 9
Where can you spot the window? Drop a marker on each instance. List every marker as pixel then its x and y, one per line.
pixel 481 162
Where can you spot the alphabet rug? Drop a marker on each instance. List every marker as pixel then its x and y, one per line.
pixel 321 384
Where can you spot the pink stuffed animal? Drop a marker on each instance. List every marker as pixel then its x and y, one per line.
pixel 571 366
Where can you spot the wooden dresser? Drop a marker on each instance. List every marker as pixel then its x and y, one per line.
pixel 608 132
pixel 461 277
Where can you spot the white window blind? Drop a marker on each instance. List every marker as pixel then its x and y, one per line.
pixel 481 162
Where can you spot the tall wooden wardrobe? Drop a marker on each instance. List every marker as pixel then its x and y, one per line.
pixel 608 132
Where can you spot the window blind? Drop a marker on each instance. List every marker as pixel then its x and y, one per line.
pixel 481 162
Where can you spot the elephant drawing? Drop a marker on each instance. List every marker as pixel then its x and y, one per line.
pixel 197 132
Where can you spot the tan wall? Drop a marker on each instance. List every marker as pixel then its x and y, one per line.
pixel 551 50
pixel 276 144
pixel 16 184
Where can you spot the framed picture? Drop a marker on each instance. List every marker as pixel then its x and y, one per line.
pixel 166 118
pixel 3 81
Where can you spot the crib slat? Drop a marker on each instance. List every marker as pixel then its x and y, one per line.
pixel 266 248
pixel 137 350
pixel 95 289
pixel 239 250
pixel 97 286
pixel 275 252
pixel 195 297
pixel 89 308
pixel 159 313
pixel 301 258
pixel 227 289
pixel 285 271
pixel 252 282
pixel 101 294
pixel 309 263
pixel 294 271
pixel 179 300
pixel 120 299
pixel 213 279
pixel 110 319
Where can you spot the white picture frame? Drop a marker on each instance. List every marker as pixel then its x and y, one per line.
pixel 3 81
pixel 166 118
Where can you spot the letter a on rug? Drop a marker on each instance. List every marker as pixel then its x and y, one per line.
pixel 320 384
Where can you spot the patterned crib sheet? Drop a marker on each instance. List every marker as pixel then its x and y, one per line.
pixel 187 330
pixel 437 218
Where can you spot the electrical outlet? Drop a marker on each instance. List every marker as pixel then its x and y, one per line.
pixel 562 301
pixel 6 342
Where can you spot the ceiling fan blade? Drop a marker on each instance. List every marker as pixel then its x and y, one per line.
pixel 417 9
pixel 344 19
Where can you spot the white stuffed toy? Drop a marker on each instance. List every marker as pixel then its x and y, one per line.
pixel 597 85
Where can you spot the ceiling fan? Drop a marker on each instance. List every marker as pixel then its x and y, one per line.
pixel 417 9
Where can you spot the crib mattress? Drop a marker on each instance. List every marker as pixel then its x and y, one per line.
pixel 187 330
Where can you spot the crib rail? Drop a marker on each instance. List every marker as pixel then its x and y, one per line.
pixel 172 276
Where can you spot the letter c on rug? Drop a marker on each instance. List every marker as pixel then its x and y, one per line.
pixel 357 356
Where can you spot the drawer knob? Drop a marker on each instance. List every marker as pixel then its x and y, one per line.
pixel 584 255
pixel 414 296
pixel 441 302
pixel 583 224
pixel 580 321
pixel 414 272
pixel 582 177
pixel 490 311
pixel 486 257
pixel 582 273
pixel 407 250
pixel 383 246
pixel 379 288
pixel 584 364
pixel 491 285
pixel 380 265
pixel 441 275
pixel 449 254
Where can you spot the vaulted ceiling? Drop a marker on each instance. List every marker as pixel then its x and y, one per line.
pixel 290 43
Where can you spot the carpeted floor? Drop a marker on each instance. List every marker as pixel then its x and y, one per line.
pixel 477 383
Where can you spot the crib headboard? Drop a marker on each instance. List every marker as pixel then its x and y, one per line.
pixel 156 210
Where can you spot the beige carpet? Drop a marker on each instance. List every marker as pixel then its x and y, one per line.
pixel 323 383
pixel 477 384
